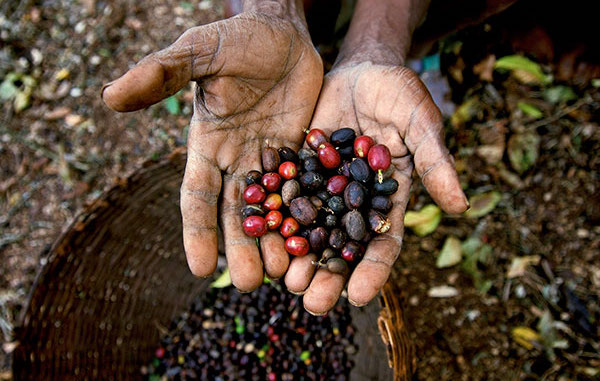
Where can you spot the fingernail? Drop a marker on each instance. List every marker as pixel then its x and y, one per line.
pixel 314 313
pixel 356 304
pixel 297 292
pixel 105 87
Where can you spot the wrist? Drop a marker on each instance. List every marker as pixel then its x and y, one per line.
pixel 381 32
pixel 289 10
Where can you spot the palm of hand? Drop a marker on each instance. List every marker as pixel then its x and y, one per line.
pixel 258 79
pixel 391 105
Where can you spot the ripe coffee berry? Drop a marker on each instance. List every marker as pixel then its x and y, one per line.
pixel 337 184
pixel 329 156
pixel 274 219
pixel 315 138
pixel 273 202
pixel 362 145
pixel 297 246
pixel 254 194
pixel 379 160
pixel 288 170
pixel 289 227
pixel 271 181
pixel 255 226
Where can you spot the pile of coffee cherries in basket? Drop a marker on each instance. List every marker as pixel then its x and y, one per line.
pixel 329 199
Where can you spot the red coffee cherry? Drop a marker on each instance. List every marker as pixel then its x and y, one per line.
pixel 337 184
pixel 289 227
pixel 315 138
pixel 362 145
pixel 271 181
pixel 288 170
pixel 329 156
pixel 255 226
pixel 274 219
pixel 297 246
pixel 379 160
pixel 273 201
pixel 254 194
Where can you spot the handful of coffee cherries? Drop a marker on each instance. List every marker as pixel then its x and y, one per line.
pixel 330 199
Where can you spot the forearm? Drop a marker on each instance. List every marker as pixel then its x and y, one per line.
pixel 381 31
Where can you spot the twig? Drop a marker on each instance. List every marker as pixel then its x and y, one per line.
pixel 582 102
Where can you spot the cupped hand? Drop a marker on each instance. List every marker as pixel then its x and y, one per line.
pixel 392 105
pixel 257 78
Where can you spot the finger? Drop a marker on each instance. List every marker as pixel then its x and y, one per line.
pixel 162 74
pixel 323 292
pixel 199 195
pixel 372 272
pixel 243 256
pixel 274 256
pixel 300 273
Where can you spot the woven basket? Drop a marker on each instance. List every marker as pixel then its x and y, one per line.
pixel 118 275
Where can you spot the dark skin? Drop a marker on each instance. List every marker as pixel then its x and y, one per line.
pixel 259 84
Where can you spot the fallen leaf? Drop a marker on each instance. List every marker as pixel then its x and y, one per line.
pixel 523 150
pixel 492 154
pixel 511 178
pixel 442 292
pixel 73 120
pixel 425 221
pixel 524 69
pixel 451 253
pixel 62 74
pixel 530 110
pixel 224 280
pixel 525 336
pixel 465 112
pixel 57 113
pixel 519 264
pixel 482 204
pixel 172 105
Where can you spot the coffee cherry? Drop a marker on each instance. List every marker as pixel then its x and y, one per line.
pixel 253 177
pixel 362 145
pixel 351 251
pixel 343 137
pixel 386 187
pixel 378 222
pixel 311 181
pixel 254 194
pixel 344 169
pixel 305 153
pixel 323 195
pixel 315 138
pixel 327 254
pixel 303 210
pixel 337 184
pixel 336 204
pixel 289 227
pixel 317 202
pixel 287 154
pixel 382 203
pixel 274 219
pixel 288 170
pixel 354 224
pixel 270 159
pixel 255 226
pixel 359 169
pixel 252 210
pixel 289 191
pixel 312 164
pixel 318 239
pixel 297 246
pixel 329 157
pixel 271 181
pixel 273 201
pixel 330 220
pixel 380 159
pixel 337 266
pixel 354 195
pixel 337 239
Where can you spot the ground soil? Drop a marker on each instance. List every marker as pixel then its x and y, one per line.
pixel 66 147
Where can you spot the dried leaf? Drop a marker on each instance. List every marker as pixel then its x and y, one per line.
pixel 482 204
pixel 523 150
pixel 224 280
pixel 525 336
pixel 525 69
pixel 465 112
pixel 442 292
pixel 62 74
pixel 559 94
pixel 425 221
pixel 530 110
pixel 485 68
pixel 451 253
pixel 519 264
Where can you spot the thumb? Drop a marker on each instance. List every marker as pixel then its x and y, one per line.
pixel 163 73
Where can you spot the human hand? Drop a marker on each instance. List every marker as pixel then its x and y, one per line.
pixel 257 81
pixel 390 104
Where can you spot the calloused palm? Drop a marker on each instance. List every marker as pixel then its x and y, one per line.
pixel 258 78
pixel 392 105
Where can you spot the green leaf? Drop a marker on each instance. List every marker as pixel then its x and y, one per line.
pixel 559 94
pixel 530 110
pixel 476 251
pixel 451 253
pixel 482 204
pixel 523 150
pixel 224 280
pixel 520 65
pixel 8 90
pixel 596 82
pixel 305 355
pixel 424 221
pixel 172 105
